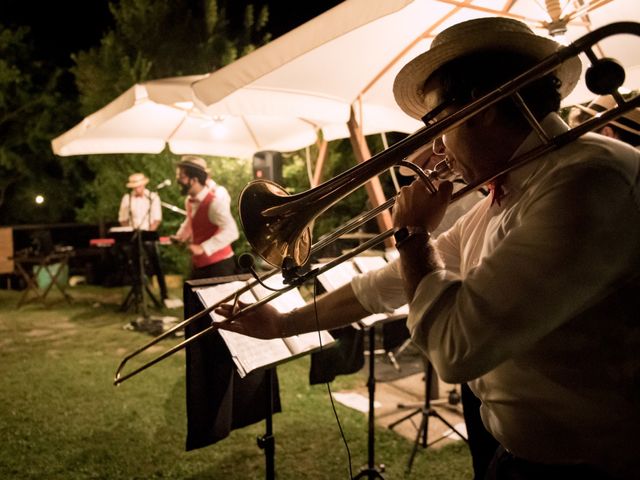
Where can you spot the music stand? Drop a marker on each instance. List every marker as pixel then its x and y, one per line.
pixel 254 356
pixel 426 411
pixel 331 280
pixel 267 442
pixel 139 285
pixel 371 471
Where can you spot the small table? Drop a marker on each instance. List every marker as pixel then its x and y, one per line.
pixel 25 263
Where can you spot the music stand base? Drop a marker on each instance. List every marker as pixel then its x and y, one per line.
pixel 370 473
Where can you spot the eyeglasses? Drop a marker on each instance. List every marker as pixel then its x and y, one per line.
pixel 438 147
pixel 430 116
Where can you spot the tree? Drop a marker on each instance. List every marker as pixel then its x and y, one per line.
pixel 154 39
pixel 30 109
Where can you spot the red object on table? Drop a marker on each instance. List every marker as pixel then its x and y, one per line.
pixel 102 242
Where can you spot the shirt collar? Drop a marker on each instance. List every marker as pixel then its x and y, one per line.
pixel 201 195
pixel 553 126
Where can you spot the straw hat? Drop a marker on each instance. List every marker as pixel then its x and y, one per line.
pixel 481 34
pixel 137 180
pixel 192 161
pixel 630 121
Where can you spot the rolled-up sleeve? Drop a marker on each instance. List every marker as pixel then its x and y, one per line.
pixel 559 251
pixel 380 291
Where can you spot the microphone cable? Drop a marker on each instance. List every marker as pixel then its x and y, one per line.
pixel 333 405
pixel 246 262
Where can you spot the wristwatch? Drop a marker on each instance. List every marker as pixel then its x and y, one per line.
pixel 403 234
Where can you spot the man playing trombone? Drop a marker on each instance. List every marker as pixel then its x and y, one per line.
pixel 532 296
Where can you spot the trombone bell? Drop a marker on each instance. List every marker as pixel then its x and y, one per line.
pixel 274 236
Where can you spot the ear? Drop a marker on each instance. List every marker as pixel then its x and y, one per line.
pixel 607 131
pixel 487 117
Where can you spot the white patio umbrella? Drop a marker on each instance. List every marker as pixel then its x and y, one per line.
pixel 340 66
pixel 348 57
pixel 151 115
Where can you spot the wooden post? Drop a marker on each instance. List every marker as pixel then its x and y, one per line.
pixel 322 156
pixel 373 186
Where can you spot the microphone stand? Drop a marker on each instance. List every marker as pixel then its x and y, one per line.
pixel 173 208
pixel 140 283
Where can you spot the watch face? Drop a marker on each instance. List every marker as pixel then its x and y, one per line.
pixel 401 234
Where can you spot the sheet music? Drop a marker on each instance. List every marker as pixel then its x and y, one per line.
pixel 368 263
pixel 250 353
pixel 337 276
pixel 343 273
pixel 286 302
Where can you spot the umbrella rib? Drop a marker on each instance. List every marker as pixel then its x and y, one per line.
pixel 428 32
pixel 471 6
pixel 170 136
pixel 585 9
pixel 250 130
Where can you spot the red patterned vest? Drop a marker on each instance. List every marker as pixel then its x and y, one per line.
pixel 202 229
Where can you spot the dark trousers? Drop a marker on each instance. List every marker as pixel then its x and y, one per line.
pixel 225 267
pixel 505 466
pixel 482 445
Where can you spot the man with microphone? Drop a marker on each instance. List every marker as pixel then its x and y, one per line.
pixel 140 209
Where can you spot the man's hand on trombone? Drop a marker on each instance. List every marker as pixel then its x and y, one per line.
pixel 262 322
pixel 416 206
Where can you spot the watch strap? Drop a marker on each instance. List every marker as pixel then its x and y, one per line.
pixel 403 234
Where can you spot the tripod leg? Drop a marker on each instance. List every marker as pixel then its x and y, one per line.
pixel 422 432
pixel 448 424
pixel 406 417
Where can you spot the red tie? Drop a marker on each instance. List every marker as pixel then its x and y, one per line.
pixel 497 191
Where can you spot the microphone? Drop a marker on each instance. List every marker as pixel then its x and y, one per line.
pixel 164 183
pixel 246 261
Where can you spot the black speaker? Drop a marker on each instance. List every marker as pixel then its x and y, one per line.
pixel 267 165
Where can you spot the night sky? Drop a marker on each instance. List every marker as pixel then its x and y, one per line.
pixel 62 27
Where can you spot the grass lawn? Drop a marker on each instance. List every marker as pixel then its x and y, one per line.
pixel 62 418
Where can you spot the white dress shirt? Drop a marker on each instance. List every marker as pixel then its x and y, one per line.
pixel 219 214
pixel 140 211
pixel 538 305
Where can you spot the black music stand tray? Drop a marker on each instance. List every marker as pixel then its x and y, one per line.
pixel 140 285
pixel 426 411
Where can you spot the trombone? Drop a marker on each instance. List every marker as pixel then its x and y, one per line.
pixel 277 225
